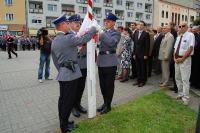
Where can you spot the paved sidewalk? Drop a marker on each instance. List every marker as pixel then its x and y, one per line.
pixel 27 106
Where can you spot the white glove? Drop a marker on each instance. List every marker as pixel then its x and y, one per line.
pixel 98 27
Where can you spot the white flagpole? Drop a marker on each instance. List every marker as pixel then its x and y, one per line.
pixel 91 72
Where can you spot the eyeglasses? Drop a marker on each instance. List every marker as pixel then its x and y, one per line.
pixel 182 26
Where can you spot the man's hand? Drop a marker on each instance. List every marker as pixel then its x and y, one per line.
pixel 145 57
pixel 179 60
pixel 134 57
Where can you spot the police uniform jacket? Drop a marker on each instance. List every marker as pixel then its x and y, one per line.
pixel 108 42
pixel 64 48
pixel 82 57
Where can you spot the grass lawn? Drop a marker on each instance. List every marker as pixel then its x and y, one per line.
pixel 154 113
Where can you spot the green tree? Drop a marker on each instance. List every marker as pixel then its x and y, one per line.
pixel 197 21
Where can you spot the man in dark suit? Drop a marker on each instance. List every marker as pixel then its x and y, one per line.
pixel 172 64
pixel 157 41
pixel 194 78
pixel 133 62
pixel 141 52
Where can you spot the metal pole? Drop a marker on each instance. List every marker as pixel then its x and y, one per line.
pixel 91 72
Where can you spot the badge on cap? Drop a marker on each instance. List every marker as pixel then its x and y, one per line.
pixel 75 17
pixel 111 16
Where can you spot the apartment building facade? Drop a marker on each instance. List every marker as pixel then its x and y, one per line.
pixel 40 13
pixel 12 16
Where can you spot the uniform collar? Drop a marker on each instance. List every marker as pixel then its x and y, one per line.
pixel 60 32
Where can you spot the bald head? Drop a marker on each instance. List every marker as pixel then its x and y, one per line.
pixel 195 29
pixel 159 29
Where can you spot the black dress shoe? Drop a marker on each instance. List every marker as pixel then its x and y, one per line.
pixel 106 110
pixel 76 113
pixel 81 109
pixel 70 127
pixel 124 80
pixel 70 122
pixel 133 77
pixel 100 108
pixel 141 84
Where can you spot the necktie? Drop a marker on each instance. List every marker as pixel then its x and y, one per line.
pixel 178 48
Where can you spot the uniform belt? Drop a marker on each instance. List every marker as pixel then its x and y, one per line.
pixel 81 56
pixel 107 52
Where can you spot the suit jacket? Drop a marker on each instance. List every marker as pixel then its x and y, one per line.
pixel 64 48
pixel 156 46
pixel 109 41
pixel 166 47
pixel 141 45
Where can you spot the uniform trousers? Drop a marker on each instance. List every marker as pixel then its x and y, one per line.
pixel 182 76
pixel 81 87
pixel 68 90
pixel 107 79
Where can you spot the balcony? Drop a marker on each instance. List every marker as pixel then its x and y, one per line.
pixel 108 3
pixel 148 10
pixel 139 16
pixel 129 5
pixel 82 1
pixel 120 14
pixel 68 9
pixel 35 7
pixel 97 12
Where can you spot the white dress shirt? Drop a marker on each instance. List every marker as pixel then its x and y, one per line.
pixel 188 40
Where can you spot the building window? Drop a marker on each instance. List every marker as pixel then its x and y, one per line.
pixel 139 5
pixel 172 17
pixel 82 9
pixel 52 8
pixel 186 18
pixel 36 21
pixel 119 2
pixel 162 24
pixel 8 2
pixel 107 11
pixel 49 22
pixel 182 17
pixel 163 14
pixel 9 17
pixel 119 23
pixel 130 14
pixel 166 14
pixel 148 16
pixel 191 18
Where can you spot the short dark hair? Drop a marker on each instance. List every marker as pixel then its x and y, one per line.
pixel 134 23
pixel 128 30
pixel 120 27
pixel 143 23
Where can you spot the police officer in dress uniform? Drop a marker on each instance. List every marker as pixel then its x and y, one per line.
pixel 64 55
pixel 107 61
pixel 75 22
